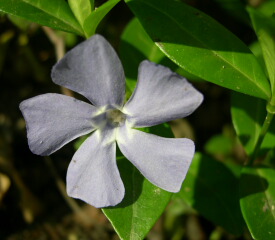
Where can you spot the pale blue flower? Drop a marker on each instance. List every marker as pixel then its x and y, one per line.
pixel 94 70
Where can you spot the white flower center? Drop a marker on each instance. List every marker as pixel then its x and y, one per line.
pixel 115 117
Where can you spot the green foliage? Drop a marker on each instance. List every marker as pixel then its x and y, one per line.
pixel 52 13
pixel 201 46
pixel 141 207
pixel 212 189
pixel 265 30
pixel 219 144
pixel 196 46
pixel 91 22
pixel 143 202
pixel 248 115
pixel 81 9
pixel 257 201
pixel 138 46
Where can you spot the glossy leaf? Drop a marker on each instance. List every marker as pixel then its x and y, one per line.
pixel 141 207
pixel 137 46
pixel 52 13
pixel 92 21
pixel 265 30
pixel 201 46
pixel 258 201
pixel 248 114
pixel 81 9
pixel 212 189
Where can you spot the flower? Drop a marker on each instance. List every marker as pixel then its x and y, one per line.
pixel 94 70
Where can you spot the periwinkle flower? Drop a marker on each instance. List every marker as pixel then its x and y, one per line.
pixel 94 70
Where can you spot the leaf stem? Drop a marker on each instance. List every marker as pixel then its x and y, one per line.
pixel 266 124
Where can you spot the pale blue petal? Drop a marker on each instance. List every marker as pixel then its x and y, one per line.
pixel 160 96
pixel 94 70
pixel 93 175
pixel 163 161
pixel 54 120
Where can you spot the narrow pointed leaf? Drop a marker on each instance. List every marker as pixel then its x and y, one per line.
pixel 52 13
pixel 265 30
pixel 248 114
pixel 81 9
pixel 211 188
pixel 93 20
pixel 141 207
pixel 258 201
pixel 201 46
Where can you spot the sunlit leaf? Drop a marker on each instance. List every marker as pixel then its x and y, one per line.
pixel 81 9
pixel 137 46
pixel 52 13
pixel 92 21
pixel 201 46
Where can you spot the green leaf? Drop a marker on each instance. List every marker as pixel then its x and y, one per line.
pixel 201 46
pixel 248 114
pixel 258 201
pixel 81 9
pixel 219 144
pixel 92 21
pixel 212 189
pixel 143 202
pixel 137 46
pixel 265 30
pixel 267 8
pixel 52 13
pixel 141 207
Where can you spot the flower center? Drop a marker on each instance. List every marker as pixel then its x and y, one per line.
pixel 115 117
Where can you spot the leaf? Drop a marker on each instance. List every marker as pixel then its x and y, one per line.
pixel 81 9
pixel 258 201
pixel 52 13
pixel 248 114
pixel 265 30
pixel 137 46
pixel 267 8
pixel 201 46
pixel 212 189
pixel 141 207
pixel 96 16
pixel 143 202
pixel 219 144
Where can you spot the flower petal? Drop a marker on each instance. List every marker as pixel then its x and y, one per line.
pixel 160 96
pixel 94 70
pixel 93 175
pixel 163 161
pixel 54 120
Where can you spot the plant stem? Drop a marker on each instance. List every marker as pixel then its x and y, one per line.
pixel 266 124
